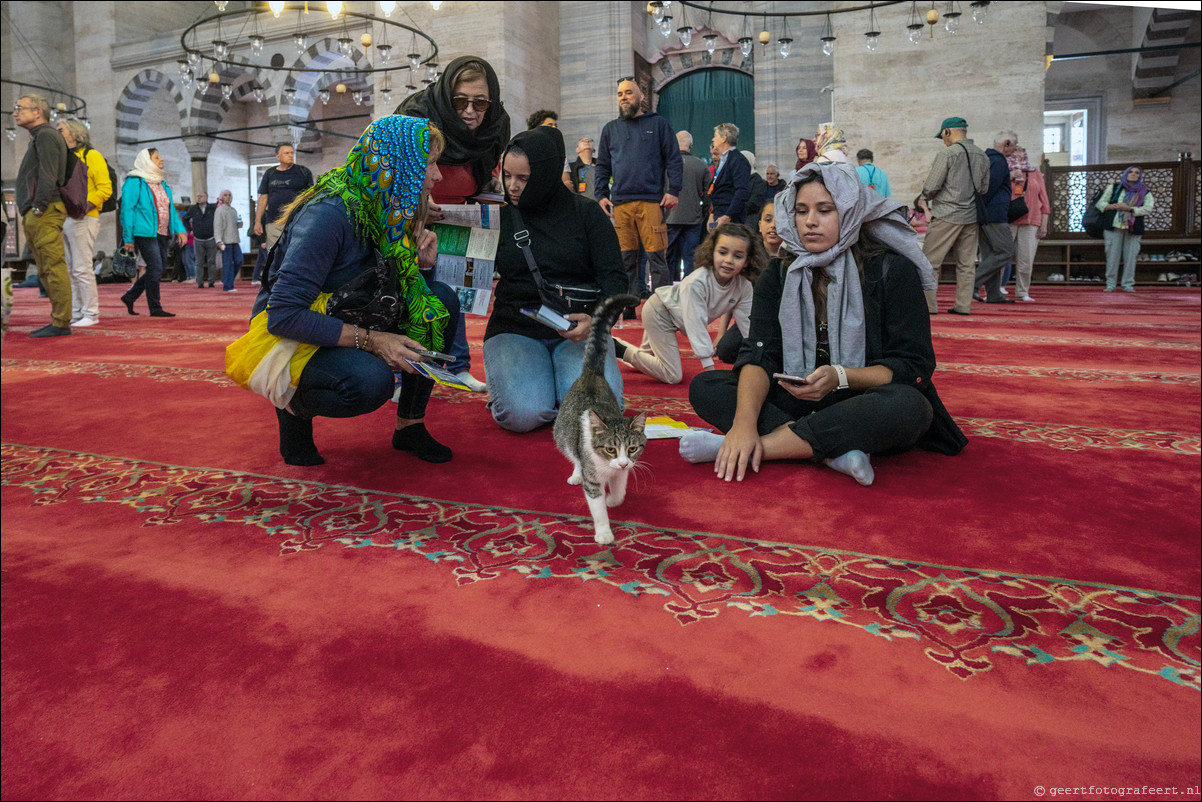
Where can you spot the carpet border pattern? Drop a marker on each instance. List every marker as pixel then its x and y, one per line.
pixel 963 619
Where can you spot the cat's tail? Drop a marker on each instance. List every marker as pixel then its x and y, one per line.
pixel 604 317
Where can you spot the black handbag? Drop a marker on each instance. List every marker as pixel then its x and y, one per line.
pixel 563 298
pixel 1018 206
pixel 1095 221
pixel 371 299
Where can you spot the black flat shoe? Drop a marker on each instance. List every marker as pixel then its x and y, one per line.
pixel 161 313
pixel 999 301
pixel 128 305
pixel 955 311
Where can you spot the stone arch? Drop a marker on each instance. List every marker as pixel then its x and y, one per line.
pixel 322 54
pixel 675 62
pixel 131 103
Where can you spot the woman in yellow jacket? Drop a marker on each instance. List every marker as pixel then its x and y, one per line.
pixel 80 235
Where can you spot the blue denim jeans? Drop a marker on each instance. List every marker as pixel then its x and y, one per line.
pixel 682 242
pixel 344 382
pixel 229 266
pixel 528 378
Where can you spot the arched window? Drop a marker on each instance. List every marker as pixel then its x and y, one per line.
pixel 699 100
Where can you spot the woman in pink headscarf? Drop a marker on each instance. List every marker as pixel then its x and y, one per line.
pixel 1027 182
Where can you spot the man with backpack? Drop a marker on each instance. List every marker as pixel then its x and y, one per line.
pixel 80 235
pixel 41 206
pixel 871 175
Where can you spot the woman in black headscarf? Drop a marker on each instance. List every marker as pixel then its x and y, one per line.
pixel 465 104
pixel 530 366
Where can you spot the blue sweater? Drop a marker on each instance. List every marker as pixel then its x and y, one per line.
pixel 997 197
pixel 139 217
pixel 635 153
pixel 318 252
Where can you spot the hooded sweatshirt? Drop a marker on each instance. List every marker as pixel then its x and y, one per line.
pixel 572 240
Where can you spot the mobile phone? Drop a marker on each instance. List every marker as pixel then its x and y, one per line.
pixel 785 377
pixel 435 355
pixel 550 318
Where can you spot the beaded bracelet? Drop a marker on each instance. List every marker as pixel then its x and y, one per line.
pixel 357 346
pixel 367 340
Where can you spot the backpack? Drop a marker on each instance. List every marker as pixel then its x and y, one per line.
pixel 74 188
pixel 110 204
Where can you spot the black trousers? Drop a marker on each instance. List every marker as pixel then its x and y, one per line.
pixel 888 419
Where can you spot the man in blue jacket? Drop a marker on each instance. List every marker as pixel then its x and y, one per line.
pixel 732 181
pixel 635 151
pixel 996 241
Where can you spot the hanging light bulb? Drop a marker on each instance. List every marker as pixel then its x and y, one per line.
pixel 388 6
pixel 259 94
pixel 276 6
pixel 872 37
pixel 979 10
pixel 10 132
pixel 410 89
pixel 187 79
pixel 345 45
pixel 193 58
pixel 221 4
pixel 686 35
pixel 385 53
pixel 357 96
pixel 86 123
pixel 256 44
pixel 220 48
pixel 226 91
pixel 914 25
pixel 183 66
pixel 951 17
pixel 365 39
pixel 386 94
pixel 765 38
pixel 334 7
pixel 656 10
pixel 745 40
pixel 785 41
pixel 324 96
pixel 665 26
pixel 432 71
pixel 711 43
pixel 434 4
pixel 301 40
pixel 289 95
pixel 828 38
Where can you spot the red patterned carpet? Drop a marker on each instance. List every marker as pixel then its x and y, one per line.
pixel 186 617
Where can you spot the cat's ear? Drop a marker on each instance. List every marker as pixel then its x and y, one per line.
pixel 595 420
pixel 638 421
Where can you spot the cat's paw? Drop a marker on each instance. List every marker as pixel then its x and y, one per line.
pixel 575 479
pixel 604 536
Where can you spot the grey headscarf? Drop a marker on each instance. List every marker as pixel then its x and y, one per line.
pixel 860 208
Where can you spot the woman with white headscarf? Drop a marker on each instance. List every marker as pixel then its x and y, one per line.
pixel 148 221
pixel 847 318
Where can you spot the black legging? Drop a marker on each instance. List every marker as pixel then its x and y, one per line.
pixel 887 419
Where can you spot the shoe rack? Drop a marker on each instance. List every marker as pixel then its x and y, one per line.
pixel 1162 262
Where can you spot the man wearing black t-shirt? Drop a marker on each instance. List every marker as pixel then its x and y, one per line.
pixel 279 186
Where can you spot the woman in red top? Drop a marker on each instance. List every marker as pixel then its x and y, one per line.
pixel 465 104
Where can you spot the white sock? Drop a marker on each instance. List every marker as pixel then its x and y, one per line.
pixel 698 446
pixel 855 464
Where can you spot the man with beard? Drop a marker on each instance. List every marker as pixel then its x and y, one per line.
pixel 635 151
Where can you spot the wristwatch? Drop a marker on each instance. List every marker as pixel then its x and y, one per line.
pixel 839 370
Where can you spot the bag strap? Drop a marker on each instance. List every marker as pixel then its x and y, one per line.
pixel 521 238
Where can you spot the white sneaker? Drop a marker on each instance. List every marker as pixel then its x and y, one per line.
pixel 1026 298
pixel 85 321
pixel 471 381
pixel 1004 291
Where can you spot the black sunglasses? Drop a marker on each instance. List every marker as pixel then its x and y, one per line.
pixel 461 103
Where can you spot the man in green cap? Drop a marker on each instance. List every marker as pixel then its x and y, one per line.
pixel 959 173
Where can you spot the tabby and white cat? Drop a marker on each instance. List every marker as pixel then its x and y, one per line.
pixel 590 430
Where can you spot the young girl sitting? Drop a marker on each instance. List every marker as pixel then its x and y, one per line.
pixel 733 258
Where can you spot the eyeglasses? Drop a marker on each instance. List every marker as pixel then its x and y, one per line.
pixel 19 107
pixel 461 103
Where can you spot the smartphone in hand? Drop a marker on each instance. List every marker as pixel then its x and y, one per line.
pixel 785 377
pixel 435 355
pixel 550 318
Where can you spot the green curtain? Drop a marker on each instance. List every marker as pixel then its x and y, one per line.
pixel 700 100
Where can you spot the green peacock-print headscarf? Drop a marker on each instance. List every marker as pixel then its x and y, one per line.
pixel 381 185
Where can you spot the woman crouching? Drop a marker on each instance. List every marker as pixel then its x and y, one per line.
pixel 371 208
pixel 847 321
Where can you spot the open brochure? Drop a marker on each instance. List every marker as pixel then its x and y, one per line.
pixel 467 250
pixel 439 375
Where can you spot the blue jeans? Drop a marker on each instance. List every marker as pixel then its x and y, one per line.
pixel 528 378
pixel 154 253
pixel 344 382
pixel 189 256
pixel 229 266
pixel 682 242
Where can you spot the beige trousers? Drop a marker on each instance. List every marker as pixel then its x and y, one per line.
pixel 1026 240
pixel 659 355
pixel 962 241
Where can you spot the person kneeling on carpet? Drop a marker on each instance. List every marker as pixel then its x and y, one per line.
pixel 846 322
pixel 358 232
